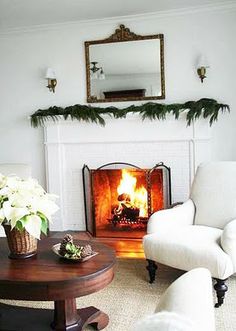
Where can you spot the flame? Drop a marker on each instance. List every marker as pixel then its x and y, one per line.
pixel 138 197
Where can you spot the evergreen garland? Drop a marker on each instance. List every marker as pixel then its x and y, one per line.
pixel 207 108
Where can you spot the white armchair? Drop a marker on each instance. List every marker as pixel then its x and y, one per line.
pixel 202 231
pixel 183 307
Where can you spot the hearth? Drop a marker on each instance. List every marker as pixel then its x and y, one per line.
pixel 120 197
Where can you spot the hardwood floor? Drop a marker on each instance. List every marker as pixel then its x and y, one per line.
pixel 127 248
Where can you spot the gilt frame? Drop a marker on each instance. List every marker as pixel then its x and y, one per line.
pixel 123 34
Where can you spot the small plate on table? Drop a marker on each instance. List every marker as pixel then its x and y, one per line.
pixel 56 250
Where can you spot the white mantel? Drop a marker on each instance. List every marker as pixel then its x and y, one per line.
pixel 71 144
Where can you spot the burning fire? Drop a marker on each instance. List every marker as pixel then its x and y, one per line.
pixel 138 197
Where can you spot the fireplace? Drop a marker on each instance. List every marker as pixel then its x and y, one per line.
pixel 120 197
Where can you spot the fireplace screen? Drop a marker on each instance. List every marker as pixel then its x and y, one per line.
pixel 118 202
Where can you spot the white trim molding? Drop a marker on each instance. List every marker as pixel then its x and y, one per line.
pixel 221 6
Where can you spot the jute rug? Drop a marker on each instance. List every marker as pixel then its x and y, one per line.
pixel 130 297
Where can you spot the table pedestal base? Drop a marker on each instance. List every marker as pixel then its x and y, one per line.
pixel 66 318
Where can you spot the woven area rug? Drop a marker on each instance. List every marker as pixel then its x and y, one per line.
pixel 130 297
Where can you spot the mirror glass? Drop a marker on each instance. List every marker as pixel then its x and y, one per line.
pixel 124 70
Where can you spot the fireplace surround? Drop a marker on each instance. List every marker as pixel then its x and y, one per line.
pixel 70 144
pixel 119 198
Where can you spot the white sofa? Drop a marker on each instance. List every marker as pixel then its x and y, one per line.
pixel 183 307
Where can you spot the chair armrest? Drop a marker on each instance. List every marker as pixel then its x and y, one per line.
pixel 228 241
pixel 178 216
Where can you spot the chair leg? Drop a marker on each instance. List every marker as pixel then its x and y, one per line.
pixel 151 268
pixel 221 288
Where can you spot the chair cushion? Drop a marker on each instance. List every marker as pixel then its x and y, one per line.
pixel 189 247
pixel 214 194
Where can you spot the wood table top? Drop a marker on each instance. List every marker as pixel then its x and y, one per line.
pixel 44 276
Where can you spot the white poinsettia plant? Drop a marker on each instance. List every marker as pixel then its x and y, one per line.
pixel 24 204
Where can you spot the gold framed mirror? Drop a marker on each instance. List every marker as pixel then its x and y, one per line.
pixel 125 67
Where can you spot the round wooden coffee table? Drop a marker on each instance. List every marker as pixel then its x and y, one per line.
pixel 47 277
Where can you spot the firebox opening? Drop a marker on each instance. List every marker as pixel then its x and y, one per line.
pixel 122 200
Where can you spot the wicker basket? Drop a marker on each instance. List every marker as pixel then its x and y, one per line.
pixel 21 244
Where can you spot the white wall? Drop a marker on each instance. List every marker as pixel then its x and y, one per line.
pixel 25 55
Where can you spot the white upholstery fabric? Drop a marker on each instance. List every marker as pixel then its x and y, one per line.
pixel 21 170
pixel 174 217
pixel 214 194
pixel 165 321
pixel 183 307
pixel 203 244
pixel 228 241
pixel 189 247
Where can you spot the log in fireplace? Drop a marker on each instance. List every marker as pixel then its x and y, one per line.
pixel 120 197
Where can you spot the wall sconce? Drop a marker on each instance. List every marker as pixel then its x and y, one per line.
pixel 202 65
pixel 52 81
pixel 96 72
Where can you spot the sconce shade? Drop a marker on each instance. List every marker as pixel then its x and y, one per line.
pixel 202 62
pixel 102 75
pixel 50 74
pixel 52 81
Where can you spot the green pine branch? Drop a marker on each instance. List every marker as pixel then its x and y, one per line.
pixel 205 108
